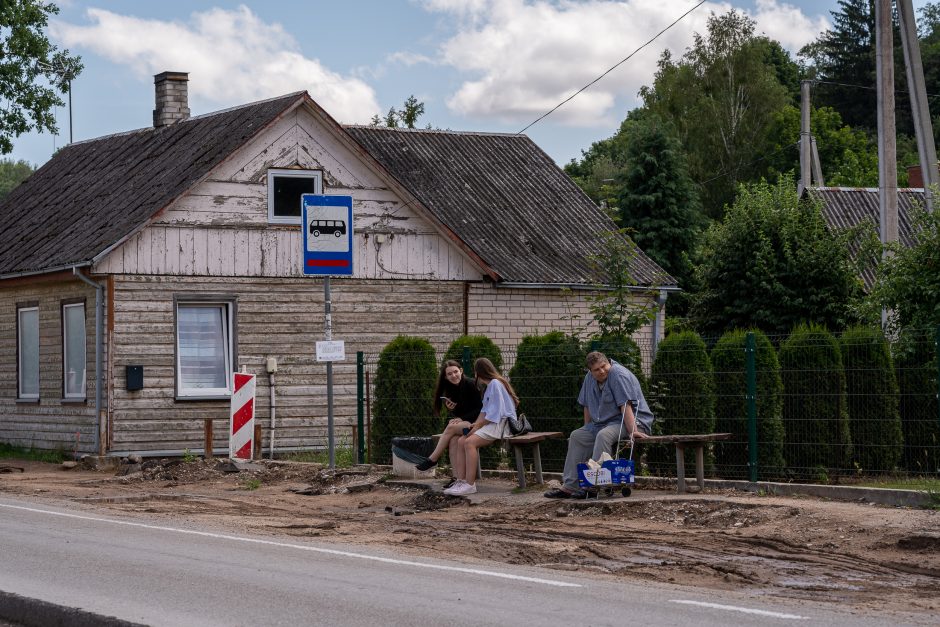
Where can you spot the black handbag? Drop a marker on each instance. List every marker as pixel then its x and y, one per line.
pixel 519 425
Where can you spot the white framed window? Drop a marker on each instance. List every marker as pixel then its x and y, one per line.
pixel 27 352
pixel 73 350
pixel 204 349
pixel 284 190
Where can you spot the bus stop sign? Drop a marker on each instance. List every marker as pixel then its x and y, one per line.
pixel 327 223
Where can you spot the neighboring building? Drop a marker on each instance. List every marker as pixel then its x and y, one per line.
pixel 175 251
pixel 845 207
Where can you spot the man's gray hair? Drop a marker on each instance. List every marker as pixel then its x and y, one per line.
pixel 594 357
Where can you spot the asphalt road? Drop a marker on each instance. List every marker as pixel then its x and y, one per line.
pixel 181 574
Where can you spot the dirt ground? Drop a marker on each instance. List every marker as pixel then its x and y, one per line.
pixel 857 555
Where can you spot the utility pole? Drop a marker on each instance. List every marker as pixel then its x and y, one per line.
pixel 887 141
pixel 805 140
pixel 923 129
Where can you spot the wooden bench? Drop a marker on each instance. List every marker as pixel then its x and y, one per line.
pixel 519 443
pixel 681 442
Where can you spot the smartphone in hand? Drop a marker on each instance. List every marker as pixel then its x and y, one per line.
pixel 466 430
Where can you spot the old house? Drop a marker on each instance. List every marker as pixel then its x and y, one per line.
pixel 139 270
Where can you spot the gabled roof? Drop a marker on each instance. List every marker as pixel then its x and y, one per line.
pixel 94 194
pixel 504 197
pixel 845 207
pixel 500 196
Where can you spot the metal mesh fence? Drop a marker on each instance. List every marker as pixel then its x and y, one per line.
pixel 813 408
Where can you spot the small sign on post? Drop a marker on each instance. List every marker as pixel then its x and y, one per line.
pixel 334 350
pixel 242 414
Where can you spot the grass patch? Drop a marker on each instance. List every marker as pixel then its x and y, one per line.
pixel 921 484
pixel 345 456
pixel 251 484
pixel 8 451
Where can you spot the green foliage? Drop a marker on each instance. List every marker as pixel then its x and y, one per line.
pixel 404 389
pixel 772 263
pixel 848 157
pixel 908 281
pixel 406 117
pixel 720 97
pixel 189 457
pixel 685 389
pixel 480 346
pixel 815 418
pixel 12 173
pixel 547 377
pixel 252 483
pixel 616 308
pixel 9 451
pixel 731 414
pixel 657 200
pixel 872 397
pixel 28 64
pixel 917 382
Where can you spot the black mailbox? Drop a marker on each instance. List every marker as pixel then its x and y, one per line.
pixel 135 378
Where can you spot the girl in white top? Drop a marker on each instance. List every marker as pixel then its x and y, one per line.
pixel 499 402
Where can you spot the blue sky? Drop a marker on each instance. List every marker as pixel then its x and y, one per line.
pixel 478 65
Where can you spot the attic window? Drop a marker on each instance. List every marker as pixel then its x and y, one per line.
pixel 284 190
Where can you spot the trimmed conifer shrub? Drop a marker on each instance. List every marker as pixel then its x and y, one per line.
pixel 730 374
pixel 917 382
pixel 815 419
pixel 547 377
pixel 480 346
pixel 404 390
pixel 685 392
pixel 872 400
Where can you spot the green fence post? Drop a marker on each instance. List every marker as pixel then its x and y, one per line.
pixel 750 366
pixel 936 346
pixel 465 358
pixel 595 346
pixel 360 406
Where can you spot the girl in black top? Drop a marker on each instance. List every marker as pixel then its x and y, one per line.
pixel 463 402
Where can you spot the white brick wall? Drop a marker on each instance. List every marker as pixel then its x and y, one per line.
pixel 506 315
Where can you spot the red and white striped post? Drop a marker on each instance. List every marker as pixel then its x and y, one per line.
pixel 242 414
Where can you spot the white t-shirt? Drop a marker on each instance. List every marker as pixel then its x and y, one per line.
pixel 497 404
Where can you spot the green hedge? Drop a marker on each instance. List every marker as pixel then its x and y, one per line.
pixel 404 390
pixel 480 346
pixel 728 360
pixel 815 419
pixel 917 382
pixel 872 398
pixel 682 383
pixel 547 377
pixel 622 349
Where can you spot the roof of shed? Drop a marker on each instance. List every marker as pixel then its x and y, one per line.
pixel 504 197
pixel 845 207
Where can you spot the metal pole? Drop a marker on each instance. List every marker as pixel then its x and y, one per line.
pixel 70 110
pixel 466 360
pixel 750 367
pixel 936 347
pixel 923 129
pixel 99 352
pixel 887 140
pixel 805 142
pixel 327 304
pixel 360 406
pixel 273 409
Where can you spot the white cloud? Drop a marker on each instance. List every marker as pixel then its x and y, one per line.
pixel 523 57
pixel 232 58
pixel 787 24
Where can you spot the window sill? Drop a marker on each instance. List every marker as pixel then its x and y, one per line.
pixel 227 397
pixel 27 401
pixel 74 401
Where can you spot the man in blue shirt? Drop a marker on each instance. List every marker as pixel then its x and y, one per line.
pixel 609 392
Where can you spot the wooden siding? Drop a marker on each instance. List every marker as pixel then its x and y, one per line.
pixel 220 227
pixel 280 318
pixel 51 423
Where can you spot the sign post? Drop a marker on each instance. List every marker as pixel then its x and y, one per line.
pixel 327 223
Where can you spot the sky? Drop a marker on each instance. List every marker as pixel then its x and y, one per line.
pixel 477 65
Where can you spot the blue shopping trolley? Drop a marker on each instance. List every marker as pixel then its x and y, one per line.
pixel 612 474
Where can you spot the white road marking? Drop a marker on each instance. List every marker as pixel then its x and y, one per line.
pixel 745 610
pixel 374 558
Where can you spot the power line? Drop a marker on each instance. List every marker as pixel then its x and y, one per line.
pixel 897 91
pixel 745 165
pixel 612 68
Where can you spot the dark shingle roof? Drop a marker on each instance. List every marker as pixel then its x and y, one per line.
pixel 93 194
pixel 845 207
pixel 505 198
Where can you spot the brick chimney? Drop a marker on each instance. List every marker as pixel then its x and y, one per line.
pixel 172 98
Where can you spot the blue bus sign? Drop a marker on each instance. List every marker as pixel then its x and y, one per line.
pixel 327 223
